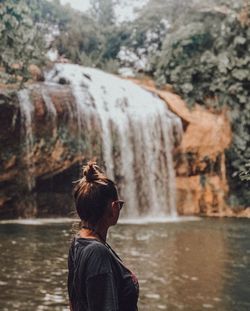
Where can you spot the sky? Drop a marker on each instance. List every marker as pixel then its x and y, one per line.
pixel 81 5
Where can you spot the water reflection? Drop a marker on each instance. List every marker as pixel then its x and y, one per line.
pixel 33 267
pixel 195 265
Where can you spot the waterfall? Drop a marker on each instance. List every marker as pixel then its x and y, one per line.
pixel 27 112
pixel 49 105
pixel 137 133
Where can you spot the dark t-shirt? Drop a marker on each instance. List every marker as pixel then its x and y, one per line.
pixel 98 280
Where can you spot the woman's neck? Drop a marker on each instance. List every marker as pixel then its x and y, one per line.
pixel 94 231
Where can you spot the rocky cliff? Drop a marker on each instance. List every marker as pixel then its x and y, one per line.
pixel 200 159
pixel 27 159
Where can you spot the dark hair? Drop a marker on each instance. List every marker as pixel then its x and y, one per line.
pixel 92 193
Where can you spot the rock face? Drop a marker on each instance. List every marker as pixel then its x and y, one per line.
pixel 32 151
pixel 199 161
pixel 49 129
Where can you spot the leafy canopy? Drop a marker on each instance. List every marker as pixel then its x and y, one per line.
pixel 208 61
pixel 20 44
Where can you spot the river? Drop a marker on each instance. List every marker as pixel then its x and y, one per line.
pixel 198 264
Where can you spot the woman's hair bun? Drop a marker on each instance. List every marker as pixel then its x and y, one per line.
pixel 92 172
pixel 92 193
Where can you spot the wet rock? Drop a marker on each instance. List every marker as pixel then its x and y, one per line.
pixel 50 150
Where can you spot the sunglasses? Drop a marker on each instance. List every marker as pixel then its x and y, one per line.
pixel 119 203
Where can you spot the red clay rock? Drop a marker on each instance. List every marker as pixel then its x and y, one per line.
pixel 199 161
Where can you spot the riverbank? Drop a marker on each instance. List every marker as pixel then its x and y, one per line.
pixel 233 213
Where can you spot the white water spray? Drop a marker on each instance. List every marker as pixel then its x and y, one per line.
pixel 27 112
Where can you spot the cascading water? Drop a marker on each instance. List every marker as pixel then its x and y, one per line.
pixel 49 105
pixel 27 112
pixel 137 131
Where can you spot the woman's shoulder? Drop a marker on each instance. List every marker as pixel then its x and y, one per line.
pixel 92 247
pixel 94 256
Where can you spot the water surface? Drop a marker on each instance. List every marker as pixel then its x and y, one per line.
pixel 190 265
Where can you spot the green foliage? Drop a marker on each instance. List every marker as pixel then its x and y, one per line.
pixel 50 12
pixel 245 175
pixel 81 39
pixel 19 43
pixel 114 38
pixel 90 41
pixel 103 12
pixel 207 61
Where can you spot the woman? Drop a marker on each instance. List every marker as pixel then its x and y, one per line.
pixel 97 279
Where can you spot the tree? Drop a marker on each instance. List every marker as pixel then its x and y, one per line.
pixel 19 42
pixel 81 42
pixel 207 61
pixel 51 13
pixel 92 40
pixel 103 12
